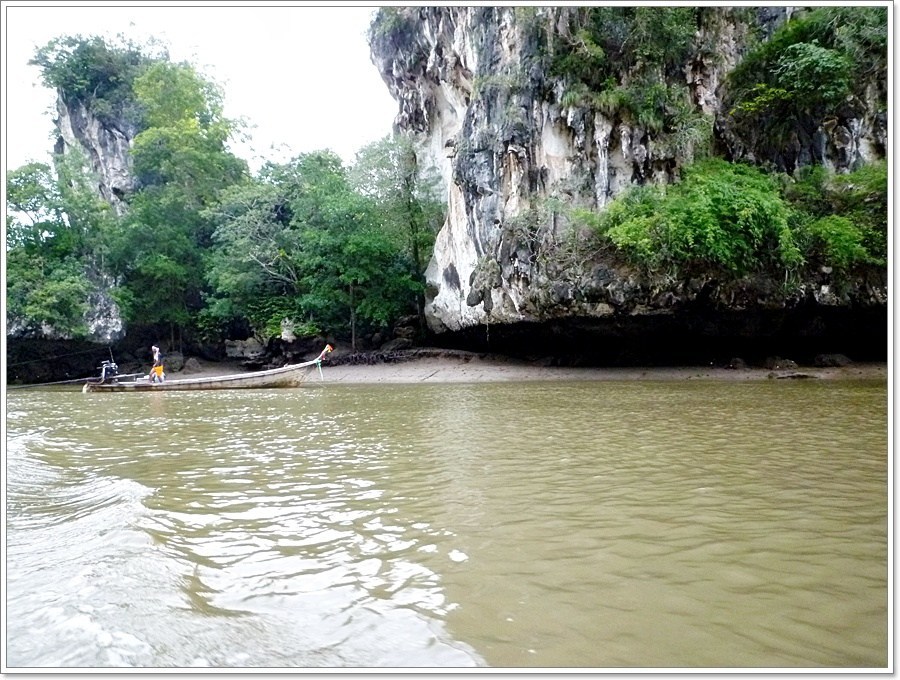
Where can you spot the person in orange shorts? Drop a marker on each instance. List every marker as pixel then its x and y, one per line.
pixel 157 373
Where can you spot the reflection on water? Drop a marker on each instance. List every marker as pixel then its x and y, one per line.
pixel 588 524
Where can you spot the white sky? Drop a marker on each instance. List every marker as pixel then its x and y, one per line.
pixel 299 74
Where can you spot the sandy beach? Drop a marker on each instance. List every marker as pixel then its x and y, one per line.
pixel 440 366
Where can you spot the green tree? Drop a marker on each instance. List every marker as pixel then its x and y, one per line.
pixel 33 206
pixel 721 216
pixel 181 162
pixel 407 198
pixel 351 270
pixel 46 294
pixel 250 271
pixel 171 93
pixel 352 275
pixel 299 242
pixel 56 228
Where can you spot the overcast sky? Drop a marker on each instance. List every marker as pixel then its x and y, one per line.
pixel 300 74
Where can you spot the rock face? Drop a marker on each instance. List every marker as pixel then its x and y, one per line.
pixel 244 349
pixel 104 318
pixel 107 148
pixel 471 86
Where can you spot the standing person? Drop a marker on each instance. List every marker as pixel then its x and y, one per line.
pixel 157 374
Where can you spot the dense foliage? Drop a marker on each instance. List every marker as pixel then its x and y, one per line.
pixel 406 197
pixel 815 66
pixel 181 162
pixel 300 243
pixel 842 218
pixel 738 220
pixel 56 229
pixel 628 62
pixel 98 74
pixel 611 41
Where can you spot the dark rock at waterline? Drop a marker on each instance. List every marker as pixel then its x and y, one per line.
pixel 174 362
pixel 777 363
pixel 192 365
pixel 396 343
pixel 831 360
pixel 795 376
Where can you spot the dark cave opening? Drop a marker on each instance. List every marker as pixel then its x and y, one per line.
pixel 700 337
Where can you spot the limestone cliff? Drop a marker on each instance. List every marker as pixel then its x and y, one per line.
pixel 107 148
pixel 508 134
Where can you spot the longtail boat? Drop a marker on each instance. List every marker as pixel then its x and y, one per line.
pixel 291 375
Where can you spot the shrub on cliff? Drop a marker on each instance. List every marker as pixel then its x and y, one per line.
pixel 842 218
pixel 99 74
pixel 720 216
pixel 735 219
pixel 821 64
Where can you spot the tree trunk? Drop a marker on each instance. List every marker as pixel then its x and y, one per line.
pixel 413 211
pixel 352 320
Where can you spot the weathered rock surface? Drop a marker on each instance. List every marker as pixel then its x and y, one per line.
pixel 251 348
pixel 107 148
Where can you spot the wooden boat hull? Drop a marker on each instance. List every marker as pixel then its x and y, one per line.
pixel 287 376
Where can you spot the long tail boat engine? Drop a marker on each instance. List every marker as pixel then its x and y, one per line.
pixel 108 371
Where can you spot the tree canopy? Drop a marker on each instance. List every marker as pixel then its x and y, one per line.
pixel 99 73
pixel 301 233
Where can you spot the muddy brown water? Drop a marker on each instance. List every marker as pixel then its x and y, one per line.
pixel 546 525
